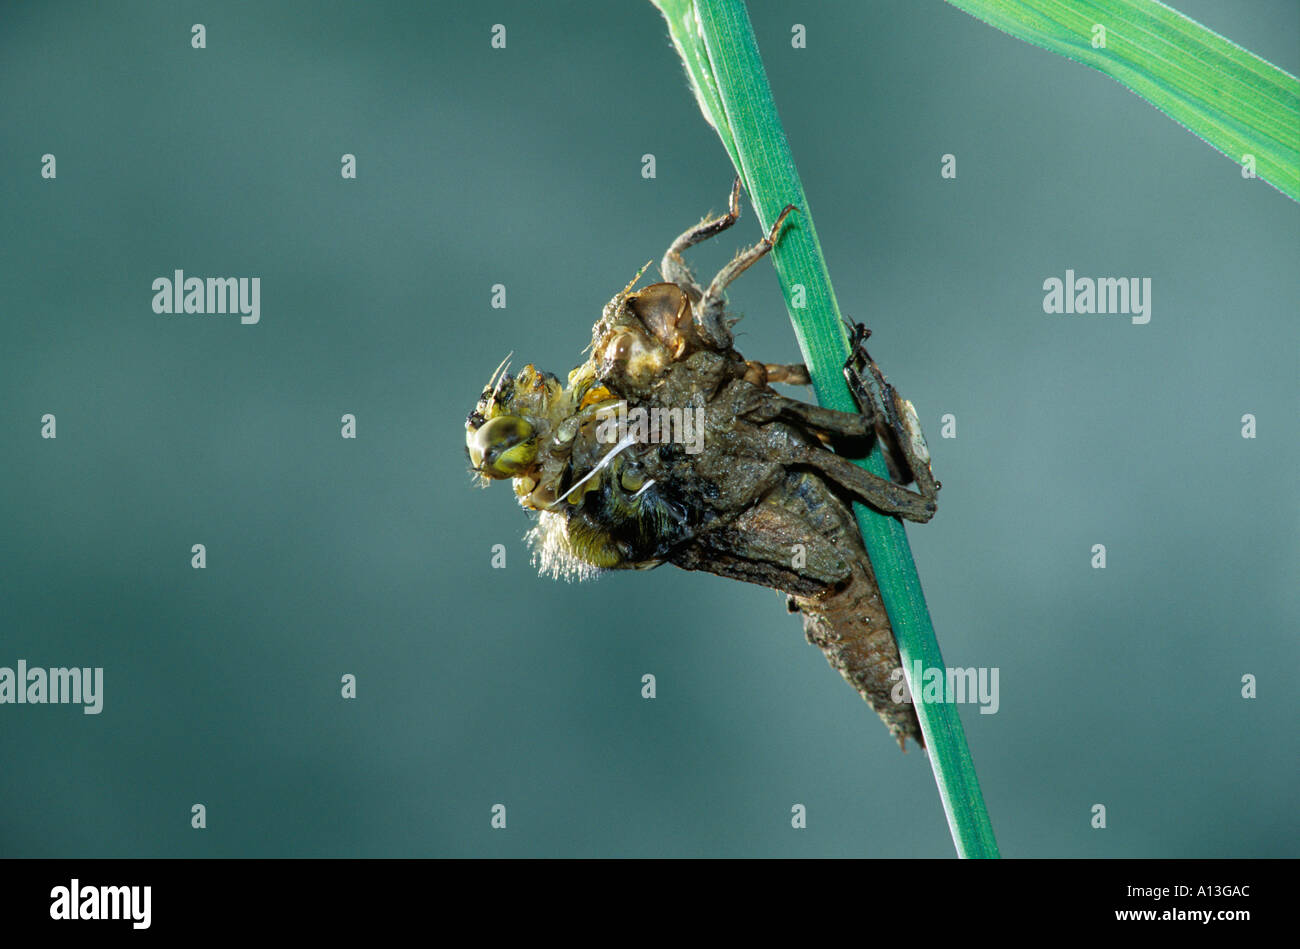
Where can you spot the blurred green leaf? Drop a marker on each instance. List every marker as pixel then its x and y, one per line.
pixel 1239 103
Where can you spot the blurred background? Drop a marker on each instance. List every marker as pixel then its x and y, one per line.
pixel 371 557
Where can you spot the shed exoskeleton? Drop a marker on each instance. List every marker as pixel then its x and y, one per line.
pixel 667 446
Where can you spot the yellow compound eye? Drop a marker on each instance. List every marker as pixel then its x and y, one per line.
pixel 502 448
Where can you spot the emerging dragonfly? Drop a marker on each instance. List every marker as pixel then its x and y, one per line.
pixel 668 446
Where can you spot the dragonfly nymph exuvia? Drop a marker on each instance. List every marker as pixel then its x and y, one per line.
pixel 668 446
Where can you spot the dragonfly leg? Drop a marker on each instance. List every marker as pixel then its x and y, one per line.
pixel 674 267
pixel 709 312
pixel 821 420
pixel 860 370
pixel 881 493
pixel 889 417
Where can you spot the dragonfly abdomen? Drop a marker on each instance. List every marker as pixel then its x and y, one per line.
pixel 852 630
pixel 847 620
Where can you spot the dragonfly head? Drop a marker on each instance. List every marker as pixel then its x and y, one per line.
pixel 501 434
pixel 504 447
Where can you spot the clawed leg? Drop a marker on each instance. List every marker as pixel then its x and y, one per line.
pixel 880 493
pixel 708 304
pixel 889 415
pixel 898 414
pixel 709 310
pixel 674 267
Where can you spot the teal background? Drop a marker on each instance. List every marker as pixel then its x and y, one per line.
pixel 479 686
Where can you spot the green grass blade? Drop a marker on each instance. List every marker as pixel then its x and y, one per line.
pixel 717 45
pixel 1234 100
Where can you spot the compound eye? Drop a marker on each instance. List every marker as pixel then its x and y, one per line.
pixel 503 448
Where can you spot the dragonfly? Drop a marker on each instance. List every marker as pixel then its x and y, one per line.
pixel 667 446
